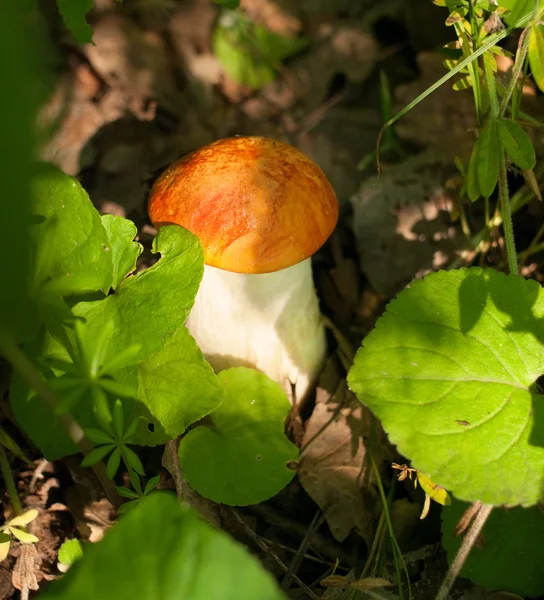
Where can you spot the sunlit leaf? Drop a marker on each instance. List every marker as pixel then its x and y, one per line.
pixel 243 457
pixel 450 370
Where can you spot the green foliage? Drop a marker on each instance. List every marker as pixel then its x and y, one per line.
pixel 73 14
pixel 517 8
pixel 114 441
pixel 125 251
pixel 135 496
pixel 536 54
pixel 511 556
pixel 516 144
pixel 15 529
pixel 450 370
pixel 126 344
pixel 232 4
pixel 164 550
pixel 241 457
pixel 70 551
pixel 17 118
pixel 250 53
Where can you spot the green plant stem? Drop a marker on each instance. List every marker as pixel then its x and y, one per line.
pixel 473 67
pixel 397 554
pixel 10 483
pixel 506 213
pixel 521 55
pixel 34 380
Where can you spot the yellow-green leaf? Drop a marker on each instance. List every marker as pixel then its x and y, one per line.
pixel 435 491
pixel 24 519
pixel 536 54
pixel 23 536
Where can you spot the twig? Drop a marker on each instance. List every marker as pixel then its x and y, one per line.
pixel 462 554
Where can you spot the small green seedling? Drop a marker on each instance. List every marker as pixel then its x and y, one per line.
pixel 114 440
pixel 135 497
pixel 16 528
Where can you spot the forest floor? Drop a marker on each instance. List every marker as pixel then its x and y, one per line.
pixel 150 90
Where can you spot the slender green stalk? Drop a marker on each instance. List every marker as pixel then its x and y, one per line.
pixel 34 380
pixel 474 67
pixel 397 554
pixel 506 213
pixel 10 483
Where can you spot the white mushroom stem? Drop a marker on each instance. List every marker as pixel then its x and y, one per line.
pixel 270 322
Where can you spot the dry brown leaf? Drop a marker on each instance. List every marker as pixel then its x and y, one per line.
pixel 350 583
pixel 402 222
pixel 332 467
pixel 26 568
pixel 445 120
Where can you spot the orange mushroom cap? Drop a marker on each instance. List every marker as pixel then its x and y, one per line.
pixel 256 204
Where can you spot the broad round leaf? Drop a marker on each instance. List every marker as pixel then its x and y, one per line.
pixel 450 370
pixel 164 550
pixel 242 457
pixel 512 554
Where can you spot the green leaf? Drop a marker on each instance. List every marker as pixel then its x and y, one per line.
pixel 98 436
pixel 150 307
pixel 24 519
pixel 167 552
pixel 133 460
pixel 473 188
pixel 149 311
pixel 23 536
pixel 71 241
pixel 114 462
pixel 536 54
pixel 152 484
pixel 73 14
pixel 512 555
pixel 5 543
pixel 70 552
pixel 27 81
pixel 231 4
pixel 517 144
pixel 125 251
pixel 518 8
pixel 450 370
pixel 249 53
pixel 97 455
pixel 177 385
pixel 242 457
pixel 487 167
pixel 126 493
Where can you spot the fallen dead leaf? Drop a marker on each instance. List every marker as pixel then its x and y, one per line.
pixel 332 467
pixel 402 222
pixel 26 569
pixel 445 120
pixel 352 583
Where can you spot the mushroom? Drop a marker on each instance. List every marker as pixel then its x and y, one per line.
pixel 260 209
